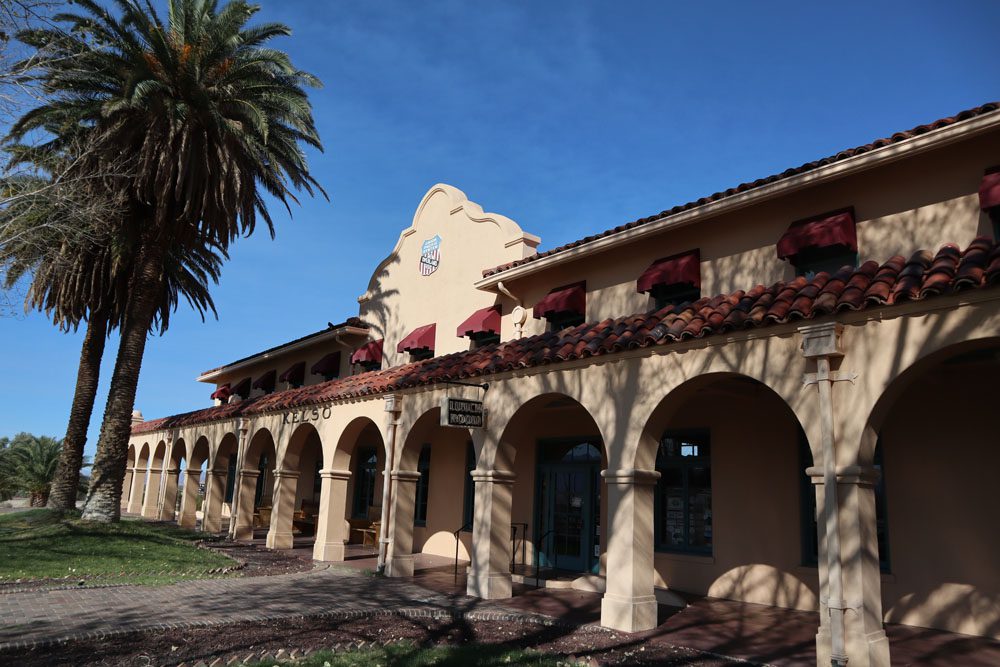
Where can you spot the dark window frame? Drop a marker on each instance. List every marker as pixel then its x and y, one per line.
pixel 831 259
pixel 365 475
pixel 423 486
pixel 685 464
pixel 230 479
pixel 483 338
pixel 469 497
pixel 421 353
pixel 564 320
pixel 679 294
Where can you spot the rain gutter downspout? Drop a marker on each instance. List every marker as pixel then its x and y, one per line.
pixel 392 408
pixel 822 343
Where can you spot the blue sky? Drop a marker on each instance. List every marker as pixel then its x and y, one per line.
pixel 568 116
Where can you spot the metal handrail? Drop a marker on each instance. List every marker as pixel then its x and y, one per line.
pixel 455 533
pixel 538 561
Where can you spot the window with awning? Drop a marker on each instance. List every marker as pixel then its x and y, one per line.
pixel 266 381
pixel 564 306
pixel 673 280
pixel 989 197
pixel 419 342
pixel 328 366
pixel 295 375
pixel 242 388
pixel 222 393
pixel 369 355
pixel 821 243
pixel 483 326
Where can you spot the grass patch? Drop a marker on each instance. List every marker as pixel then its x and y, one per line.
pixel 42 544
pixel 411 655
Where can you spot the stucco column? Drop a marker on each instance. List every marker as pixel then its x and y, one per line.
pixel 851 630
pixel 489 574
pixel 331 534
pixel 127 487
pixel 150 503
pixel 629 602
pixel 215 491
pixel 279 534
pixel 169 494
pixel 189 503
pixel 243 521
pixel 399 562
pixel 135 494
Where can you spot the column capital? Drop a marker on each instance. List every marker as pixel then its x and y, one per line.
pixel 822 340
pixel 212 472
pixel 249 472
pixel 405 475
pixel 852 474
pixel 191 472
pixel 287 473
pixel 172 471
pixel 335 474
pixel 493 476
pixel 627 476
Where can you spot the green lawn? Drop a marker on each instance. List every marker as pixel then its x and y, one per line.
pixel 410 655
pixel 39 544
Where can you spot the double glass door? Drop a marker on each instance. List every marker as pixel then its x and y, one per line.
pixel 569 516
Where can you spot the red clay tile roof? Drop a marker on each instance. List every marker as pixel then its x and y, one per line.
pixel 871 285
pixel 743 187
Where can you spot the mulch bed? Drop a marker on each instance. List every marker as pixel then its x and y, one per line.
pixel 225 643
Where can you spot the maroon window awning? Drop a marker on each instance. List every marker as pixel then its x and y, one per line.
pixel 681 269
pixel 266 382
pixel 328 366
pixel 484 320
pixel 830 229
pixel 369 353
pixel 242 388
pixel 296 374
pixel 222 393
pixel 421 338
pixel 989 190
pixel 567 299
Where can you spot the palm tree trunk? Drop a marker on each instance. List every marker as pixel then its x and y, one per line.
pixel 66 482
pixel 104 496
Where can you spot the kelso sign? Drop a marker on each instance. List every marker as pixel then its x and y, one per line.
pixel 463 413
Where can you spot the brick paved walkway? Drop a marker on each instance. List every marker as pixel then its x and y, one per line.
pixel 48 615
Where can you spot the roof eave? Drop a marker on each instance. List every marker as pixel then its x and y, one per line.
pixel 870 160
pixel 213 375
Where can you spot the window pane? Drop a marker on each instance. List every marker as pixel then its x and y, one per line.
pixel 700 507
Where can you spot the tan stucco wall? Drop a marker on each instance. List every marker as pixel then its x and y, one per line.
pixel 941 460
pixel 399 299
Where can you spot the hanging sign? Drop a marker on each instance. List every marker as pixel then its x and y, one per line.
pixel 463 413
pixel 430 255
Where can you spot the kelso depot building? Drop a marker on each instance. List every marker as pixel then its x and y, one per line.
pixel 783 393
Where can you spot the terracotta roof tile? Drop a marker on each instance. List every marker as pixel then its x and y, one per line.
pixel 870 285
pixel 743 187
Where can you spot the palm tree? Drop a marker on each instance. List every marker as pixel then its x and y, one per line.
pixel 33 465
pixel 8 487
pixel 84 276
pixel 215 120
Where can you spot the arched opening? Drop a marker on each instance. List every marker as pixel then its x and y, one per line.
pixel 297 491
pixel 129 476
pixel 138 490
pixel 221 483
pixel 434 463
pixel 154 481
pixel 193 481
pixel 558 507
pixel 173 479
pixel 934 432
pixel 254 502
pixel 360 459
pixel 730 517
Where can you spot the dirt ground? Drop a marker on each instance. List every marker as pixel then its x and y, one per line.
pixel 240 640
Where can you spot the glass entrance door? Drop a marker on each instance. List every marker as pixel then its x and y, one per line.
pixel 568 506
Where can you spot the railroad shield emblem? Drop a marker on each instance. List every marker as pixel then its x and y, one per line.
pixel 430 255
